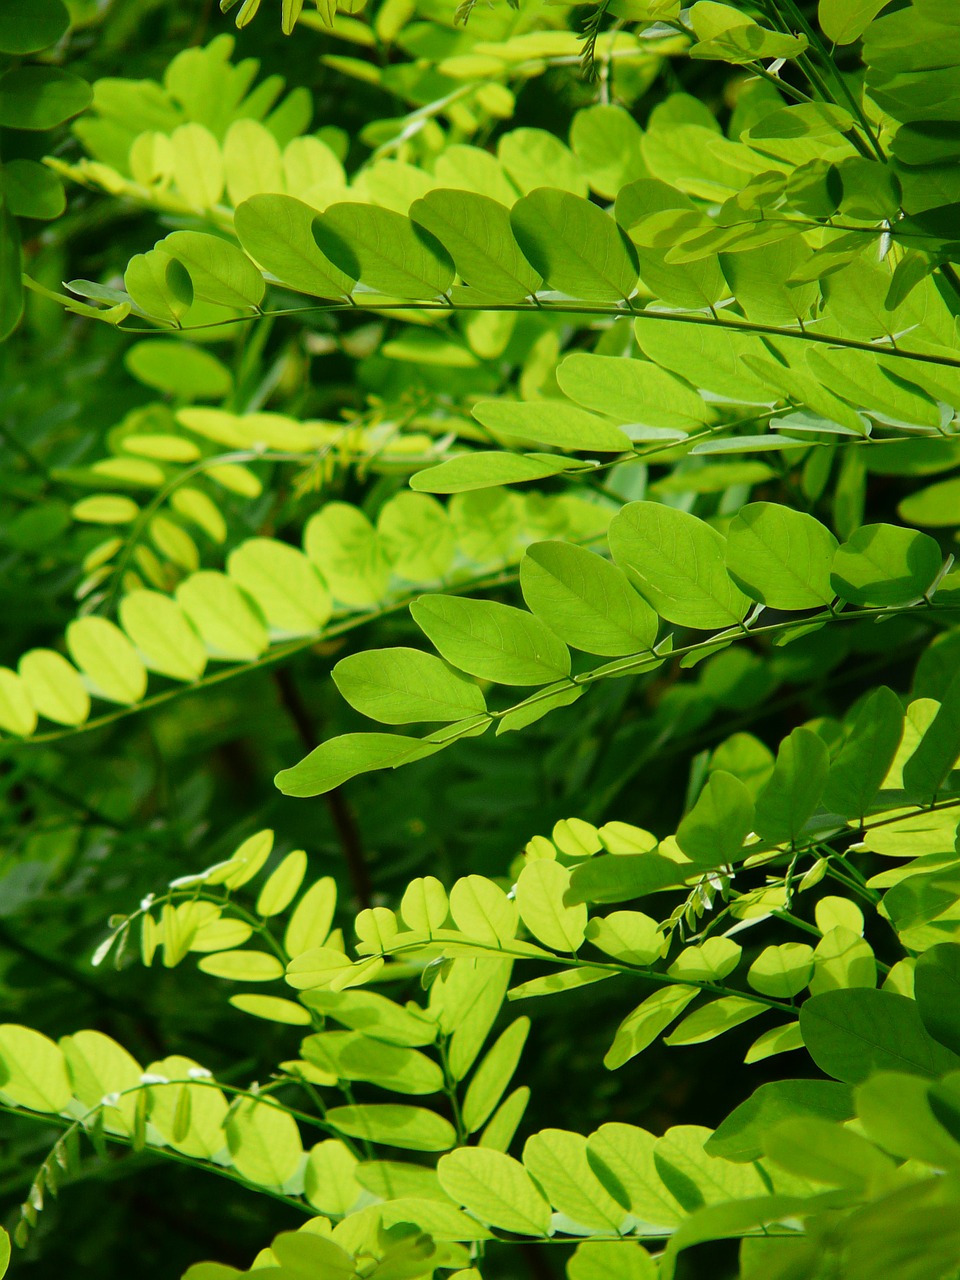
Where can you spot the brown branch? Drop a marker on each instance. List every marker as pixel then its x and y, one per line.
pixel 341 813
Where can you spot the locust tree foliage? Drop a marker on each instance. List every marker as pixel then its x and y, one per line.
pixel 656 414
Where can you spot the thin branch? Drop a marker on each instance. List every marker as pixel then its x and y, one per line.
pixel 341 813
pixel 879 346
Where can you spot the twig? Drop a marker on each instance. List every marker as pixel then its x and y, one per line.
pixel 341 813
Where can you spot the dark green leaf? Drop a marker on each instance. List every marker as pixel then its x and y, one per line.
pixel 386 252
pixel 38 98
pixel 793 792
pixel 586 600
pixel 857 773
pixel 713 832
pixel 882 564
pixel 937 987
pixel 476 232
pixel 854 1032
pixel 677 563
pixel 490 640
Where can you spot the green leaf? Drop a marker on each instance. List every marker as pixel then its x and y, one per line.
pixel 633 391
pixel 17 713
pixel 782 971
pixel 245 862
pixel 483 911
pixel 418 537
pixel 534 157
pixel 781 557
pixel 412 1128
pixel 220 272
pixel 726 34
pixel 713 1019
pixel 793 792
pixel 351 1055
pixel 394 1179
pixel 264 1142
pixel 272 1009
pixel 349 554
pixel 492 641
pixel 493 1075
pixel 33 1072
pixel 339 759
pixel 935 506
pixel 577 248
pixel 896 1112
pixel 30 30
pixel 282 885
pixel 162 634
pixel 540 891
pixel 159 285
pixel 277 232
pixel 622 1157
pixel 311 919
pixel 558 1161
pixel 741 1135
pixel 505 1121
pixel 330 1182
pixel 469 471
pixel 242 966
pixel 229 624
pixel 936 986
pixel 330 968
pixel 609 144
pixel 628 936
pixel 476 232
pixel 284 584
pixel 851 1033
pixel 844 21
pixel 611 1260
pixel 424 905
pixel 384 251
pixel 54 687
pixel 711 961
pixel 640 1028
pixel 41 97
pixel 714 830
pixel 882 564
pixel 586 600
pixel 197 163
pixel 4 1252
pixel 375 1016
pixel 695 1177
pixel 625 876
pixel 105 509
pixel 551 423
pixel 105 655
pixel 496 1188
pixel 32 190
pixel 813 1148
pixel 932 761
pixel 304 1255
pixel 677 563
pixel 99 1066
pixel 186 371
pixel 472 995
pixel 864 761
pixel 11 271
pixel 842 959
pixel 403 686
pixel 560 980
pixel 782 1039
